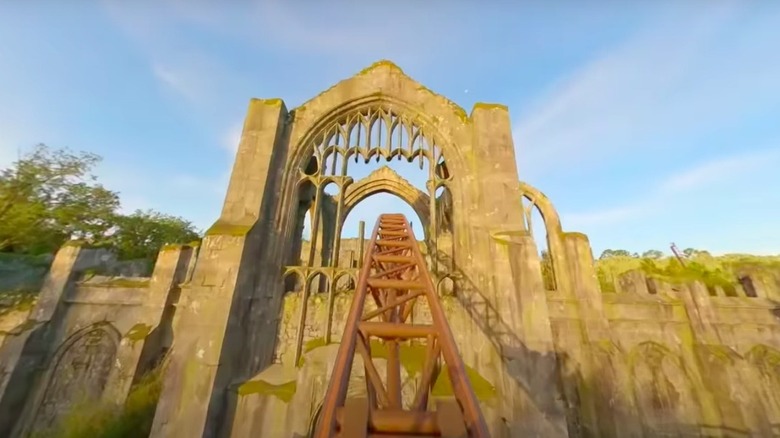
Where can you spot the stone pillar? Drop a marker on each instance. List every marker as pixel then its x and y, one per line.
pixel 587 292
pixel 596 388
pixel 144 342
pixel 212 345
pixel 529 351
pixel 499 203
pixel 23 353
pixel 698 307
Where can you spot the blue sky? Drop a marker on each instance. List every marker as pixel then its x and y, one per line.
pixel 644 123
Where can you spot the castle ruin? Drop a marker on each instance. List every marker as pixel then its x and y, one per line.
pixel 248 322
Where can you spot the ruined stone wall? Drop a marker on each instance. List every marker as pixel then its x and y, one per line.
pixel 90 336
pixel 661 358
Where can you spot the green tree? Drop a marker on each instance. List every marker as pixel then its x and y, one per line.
pixel 143 233
pixel 652 254
pixel 607 253
pixel 50 196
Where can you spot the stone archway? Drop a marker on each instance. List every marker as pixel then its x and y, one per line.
pixel 386 180
pixel 253 242
pixel 78 373
pixel 553 232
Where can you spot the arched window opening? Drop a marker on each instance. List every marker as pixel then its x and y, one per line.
pixel 372 150
pixel 364 163
pixel 368 211
pixel 538 230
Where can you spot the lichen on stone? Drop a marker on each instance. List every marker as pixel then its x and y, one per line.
pixel 17 301
pixel 138 332
pixel 312 344
pixel 380 63
pixel 272 102
pixel 283 392
pixel 489 106
pixel 226 229
pixel 129 283
pixel 411 356
pixel 483 389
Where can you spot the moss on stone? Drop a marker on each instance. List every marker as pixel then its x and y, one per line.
pixel 129 283
pixel 17 301
pixel 283 392
pixel 380 63
pixel 483 389
pixel 138 332
pixel 272 102
pixel 226 229
pixel 503 237
pixel 489 106
pixel 312 344
pixel 412 356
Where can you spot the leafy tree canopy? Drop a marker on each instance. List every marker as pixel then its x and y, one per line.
pixel 48 197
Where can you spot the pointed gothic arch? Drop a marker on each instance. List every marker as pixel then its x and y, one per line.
pixel 385 180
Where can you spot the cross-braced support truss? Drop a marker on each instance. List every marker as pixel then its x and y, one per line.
pixel 395 276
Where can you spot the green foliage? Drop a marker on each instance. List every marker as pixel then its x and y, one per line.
pixel 720 271
pixel 609 253
pixel 50 197
pixel 96 420
pixel 652 254
pixel 143 233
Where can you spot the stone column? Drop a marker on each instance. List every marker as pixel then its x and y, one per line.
pixel 212 345
pixel 538 408
pixel 143 343
pixel 582 272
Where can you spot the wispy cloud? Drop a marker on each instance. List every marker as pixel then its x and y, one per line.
pixel 666 83
pixel 721 169
pixel 699 176
pixel 359 29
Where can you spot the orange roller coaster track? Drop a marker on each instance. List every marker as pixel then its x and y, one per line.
pixel 396 277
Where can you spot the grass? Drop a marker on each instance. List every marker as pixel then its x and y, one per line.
pixel 96 420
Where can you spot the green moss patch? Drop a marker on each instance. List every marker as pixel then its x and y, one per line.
pixel 130 283
pixel 312 344
pixel 283 392
pixel 138 332
pixel 17 301
pixel 489 106
pixel 380 63
pixel 483 389
pixel 412 356
pixel 225 229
